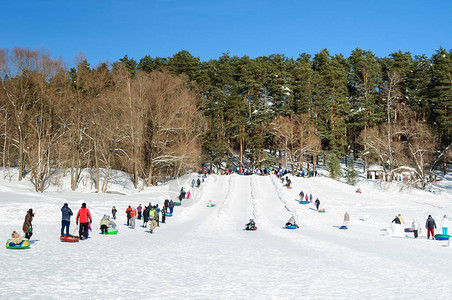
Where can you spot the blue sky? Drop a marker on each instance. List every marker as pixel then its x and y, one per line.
pixel 109 29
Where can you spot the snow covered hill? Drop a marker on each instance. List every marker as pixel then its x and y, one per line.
pixel 204 253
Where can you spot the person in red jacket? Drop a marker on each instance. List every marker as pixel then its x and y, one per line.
pixel 84 216
pixel 128 212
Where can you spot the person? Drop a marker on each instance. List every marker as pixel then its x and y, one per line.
pixel 188 195
pixel 27 227
pixel 396 220
pixel 66 214
pixel 291 222
pixel 133 216
pixel 288 182
pixel 310 197
pixel 306 198
pixel 146 216
pixel 401 219
pixel 84 217
pixel 430 225
pixel 128 212
pixel 139 210
pixel 198 182
pixel 317 203
pixel 157 209
pixel 445 224
pixel 152 214
pixel 193 183
pixel 163 214
pixel 171 206
pixel 346 219
pixel 250 225
pixel 166 203
pixel 104 225
pixel 415 226
pixel 16 238
pixel 113 212
pixel 301 194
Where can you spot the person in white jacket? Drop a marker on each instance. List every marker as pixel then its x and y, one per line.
pixel 415 226
pixel 445 224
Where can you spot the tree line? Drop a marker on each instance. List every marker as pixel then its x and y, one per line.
pixel 159 116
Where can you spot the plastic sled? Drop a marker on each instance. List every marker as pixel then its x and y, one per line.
pixel 23 245
pixel 343 227
pixel 70 238
pixel 304 202
pixel 112 231
pixel 442 237
pixel 251 229
pixel 409 229
pixel 177 203
pixel 289 187
pixel 169 214
pixel 290 227
pixel 210 205
pixel 321 210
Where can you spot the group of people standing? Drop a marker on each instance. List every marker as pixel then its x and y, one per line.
pixel 430 225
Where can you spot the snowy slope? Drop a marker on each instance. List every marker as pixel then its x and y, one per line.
pixel 204 253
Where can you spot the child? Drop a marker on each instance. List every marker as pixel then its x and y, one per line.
pixel 104 225
pixel 16 238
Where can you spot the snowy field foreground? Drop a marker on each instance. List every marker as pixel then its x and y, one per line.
pixel 204 253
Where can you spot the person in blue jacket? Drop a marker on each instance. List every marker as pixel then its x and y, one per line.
pixel 66 214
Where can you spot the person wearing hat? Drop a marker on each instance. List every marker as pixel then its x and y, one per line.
pixel 27 227
pixel 430 225
pixel 84 216
pixel 66 214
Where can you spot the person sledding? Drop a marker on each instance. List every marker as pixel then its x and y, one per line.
pixel 104 222
pixel 359 191
pixel 292 222
pixel 288 182
pixel 301 194
pixel 251 225
pixel 16 238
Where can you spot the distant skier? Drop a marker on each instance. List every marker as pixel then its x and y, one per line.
pixel 292 222
pixel 346 219
pixel 27 227
pixel 430 225
pixel 310 197
pixel 415 226
pixel 317 203
pixel 66 214
pixel 84 216
pixel 445 224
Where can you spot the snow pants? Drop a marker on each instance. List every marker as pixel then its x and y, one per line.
pixel 139 215
pixel 445 230
pixel 430 231
pixel 171 210
pixel 128 221
pixel 132 223
pixel 104 229
pixel 163 217
pixel 65 225
pixel 415 234
pixel 28 235
pixel 83 231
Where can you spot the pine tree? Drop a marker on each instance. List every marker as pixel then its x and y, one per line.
pixel 334 166
pixel 351 174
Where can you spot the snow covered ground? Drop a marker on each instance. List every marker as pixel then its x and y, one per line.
pixel 204 253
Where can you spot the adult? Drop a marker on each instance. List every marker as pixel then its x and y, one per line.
pixel 198 182
pixel 346 219
pixel 396 220
pixel 128 213
pixel 27 227
pixel 171 206
pixel 139 210
pixel 157 209
pixel 133 216
pixel 301 194
pixel 166 203
pixel 430 225
pixel 415 226
pixel 84 217
pixel 445 224
pixel 113 212
pixel 146 216
pixel 292 222
pixel 104 225
pixel 317 203
pixel 66 214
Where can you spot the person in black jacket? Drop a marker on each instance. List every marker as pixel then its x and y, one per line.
pixel 146 215
pixel 396 220
pixel 66 214
pixel 430 225
pixel 317 204
pixel 163 214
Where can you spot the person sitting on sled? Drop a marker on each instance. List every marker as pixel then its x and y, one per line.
pixel 104 225
pixel 251 224
pixel 16 238
pixel 288 182
pixel 291 222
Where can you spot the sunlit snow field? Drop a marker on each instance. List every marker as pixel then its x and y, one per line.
pixel 204 253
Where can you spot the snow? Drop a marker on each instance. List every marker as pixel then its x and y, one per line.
pixel 204 253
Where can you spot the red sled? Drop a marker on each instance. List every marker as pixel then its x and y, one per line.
pixel 70 238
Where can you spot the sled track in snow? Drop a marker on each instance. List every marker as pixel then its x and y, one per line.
pixel 284 202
